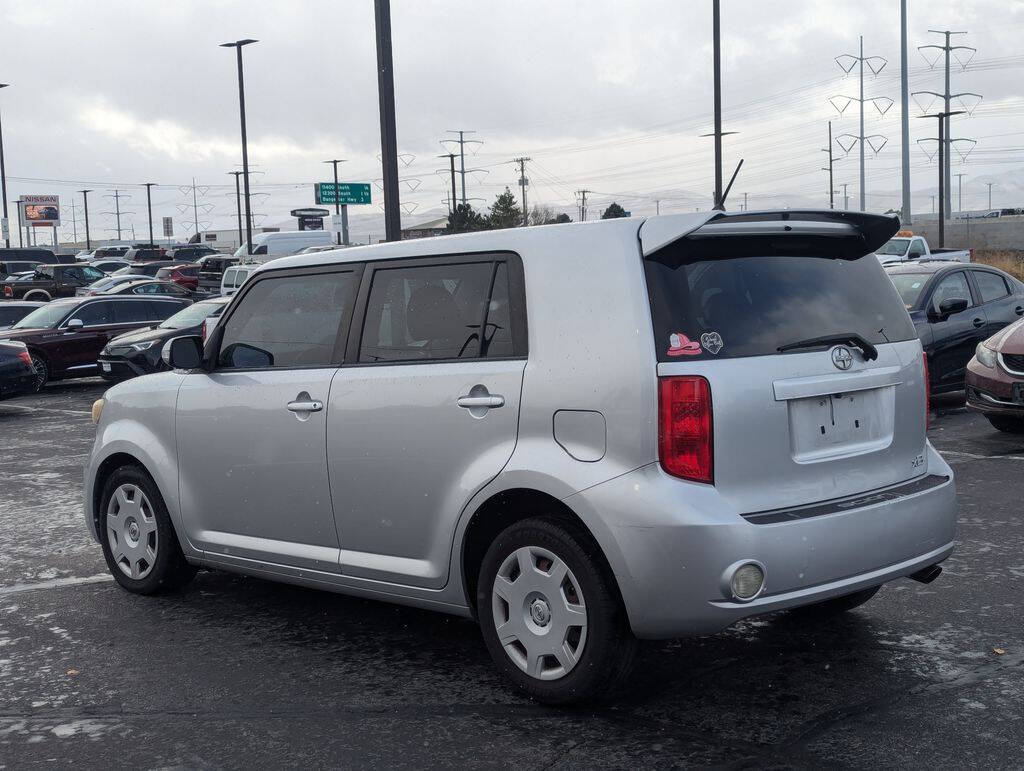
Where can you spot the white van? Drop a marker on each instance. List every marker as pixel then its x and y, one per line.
pixel 234 277
pixel 286 242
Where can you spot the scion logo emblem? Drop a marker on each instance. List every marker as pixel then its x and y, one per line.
pixel 842 357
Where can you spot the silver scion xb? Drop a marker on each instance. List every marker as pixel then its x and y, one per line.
pixel 579 435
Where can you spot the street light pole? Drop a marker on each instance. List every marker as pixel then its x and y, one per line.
pixel 149 209
pixel 3 179
pixel 237 45
pixel 85 199
pixel 238 203
pixel 343 233
pixel 388 130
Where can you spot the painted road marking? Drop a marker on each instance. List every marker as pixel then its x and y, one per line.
pixel 56 583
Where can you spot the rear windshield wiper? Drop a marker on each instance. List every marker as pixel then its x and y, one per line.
pixel 849 338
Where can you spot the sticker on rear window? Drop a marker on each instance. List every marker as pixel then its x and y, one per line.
pixel 680 345
pixel 712 342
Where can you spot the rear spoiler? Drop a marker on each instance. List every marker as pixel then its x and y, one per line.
pixel 844 234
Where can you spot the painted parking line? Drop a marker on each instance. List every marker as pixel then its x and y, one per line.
pixel 56 583
pixel 976 456
pixel 44 409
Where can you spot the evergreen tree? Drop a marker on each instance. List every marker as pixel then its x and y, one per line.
pixel 465 220
pixel 505 212
pixel 613 212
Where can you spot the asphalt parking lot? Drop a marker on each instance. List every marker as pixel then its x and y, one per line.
pixel 238 672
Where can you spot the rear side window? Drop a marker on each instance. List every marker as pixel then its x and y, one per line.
pixel 163 309
pixel 288 321
pixel 990 285
pixel 131 312
pixel 708 308
pixel 436 312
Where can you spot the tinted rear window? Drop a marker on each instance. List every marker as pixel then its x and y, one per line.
pixel 750 306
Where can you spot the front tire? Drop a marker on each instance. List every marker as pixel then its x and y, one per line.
pixel 1006 423
pixel 138 538
pixel 42 370
pixel 551 615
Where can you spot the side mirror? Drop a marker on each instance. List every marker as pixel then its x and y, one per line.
pixel 183 352
pixel 950 306
pixel 76 324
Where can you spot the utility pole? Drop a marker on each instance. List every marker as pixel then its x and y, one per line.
pixel 74 224
pixel 716 31
pixel 238 203
pixel 388 128
pixel 3 181
pixel 876 64
pixel 343 233
pixel 990 193
pixel 149 209
pixel 744 202
pixel 195 210
pixel 933 204
pixel 831 187
pixel 943 118
pixel 20 226
pixel 85 200
pixel 657 206
pixel 583 203
pixel 904 116
pixel 238 45
pixel 846 197
pixel 946 96
pixel 523 182
pixel 960 192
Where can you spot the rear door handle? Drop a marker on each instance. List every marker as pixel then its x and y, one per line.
pixel 469 402
pixel 305 406
pixel 978 323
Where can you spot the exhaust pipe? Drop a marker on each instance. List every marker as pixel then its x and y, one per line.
pixel 926 575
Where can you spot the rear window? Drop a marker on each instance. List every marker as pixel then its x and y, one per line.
pixel 708 308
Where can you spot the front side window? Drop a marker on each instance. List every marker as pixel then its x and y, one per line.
pixel 990 285
pixel 95 314
pixel 952 287
pixel 288 321
pixel 428 313
pixel 910 286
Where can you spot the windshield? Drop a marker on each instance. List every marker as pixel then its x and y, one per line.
pixel 750 306
pixel 44 317
pixel 909 285
pixel 894 246
pixel 191 316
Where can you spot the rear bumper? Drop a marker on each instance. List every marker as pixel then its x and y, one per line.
pixel 670 550
pixel 15 384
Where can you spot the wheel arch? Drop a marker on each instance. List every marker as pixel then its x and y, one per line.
pixel 104 471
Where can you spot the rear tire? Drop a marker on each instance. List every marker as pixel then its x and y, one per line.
pixel 835 606
pixel 562 640
pixel 137 536
pixel 1006 423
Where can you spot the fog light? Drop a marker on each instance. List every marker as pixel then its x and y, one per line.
pixel 747 581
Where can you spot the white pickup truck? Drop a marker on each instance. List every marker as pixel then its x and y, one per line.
pixel 906 246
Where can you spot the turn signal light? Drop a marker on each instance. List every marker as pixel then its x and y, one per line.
pixel 685 446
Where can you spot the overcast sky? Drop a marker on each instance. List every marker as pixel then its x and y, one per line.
pixel 606 96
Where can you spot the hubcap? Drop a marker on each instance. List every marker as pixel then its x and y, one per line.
pixel 40 369
pixel 131 531
pixel 539 613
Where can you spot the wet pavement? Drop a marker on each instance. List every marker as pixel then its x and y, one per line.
pixel 238 672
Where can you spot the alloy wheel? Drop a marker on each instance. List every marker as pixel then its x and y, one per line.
pixel 132 531
pixel 41 370
pixel 539 613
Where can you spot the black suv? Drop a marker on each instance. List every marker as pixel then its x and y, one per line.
pixel 188 253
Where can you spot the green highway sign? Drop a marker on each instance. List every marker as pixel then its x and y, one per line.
pixel 344 193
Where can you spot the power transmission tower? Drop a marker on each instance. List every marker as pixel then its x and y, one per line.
pixel 876 64
pixel 583 203
pixel 960 191
pixel 846 197
pixel 462 142
pixel 523 182
pixel 831 186
pixel 117 196
pixel 946 96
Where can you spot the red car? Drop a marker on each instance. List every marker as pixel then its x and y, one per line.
pixel 186 275
pixel 995 379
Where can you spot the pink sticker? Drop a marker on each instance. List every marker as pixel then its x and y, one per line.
pixel 680 345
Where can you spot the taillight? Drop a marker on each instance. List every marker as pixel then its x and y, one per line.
pixel 26 357
pixel 8 292
pixel 685 445
pixel 927 393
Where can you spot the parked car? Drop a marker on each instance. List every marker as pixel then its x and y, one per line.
pixel 549 429
pixel 49 281
pixel 995 379
pixel 906 247
pixel 108 265
pixel 234 277
pixel 110 251
pixel 285 242
pixel 139 352
pixel 14 311
pixel 150 287
pixel 211 271
pixel 954 307
pixel 189 253
pixel 109 282
pixel 149 269
pixel 9 268
pixel 34 254
pixel 186 275
pixel 17 375
pixel 144 253
pixel 65 337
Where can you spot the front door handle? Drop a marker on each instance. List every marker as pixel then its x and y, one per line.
pixel 311 405
pixel 978 323
pixel 1019 310
pixel 488 402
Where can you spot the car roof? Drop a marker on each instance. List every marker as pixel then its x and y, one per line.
pixel 924 266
